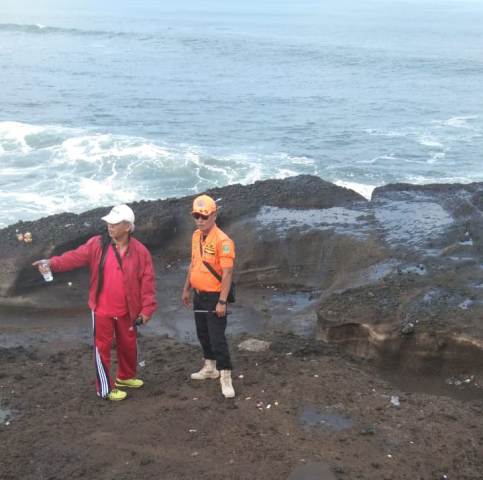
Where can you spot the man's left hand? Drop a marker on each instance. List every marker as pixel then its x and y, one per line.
pixel 145 319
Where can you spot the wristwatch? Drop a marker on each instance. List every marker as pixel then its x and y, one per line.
pixel 222 302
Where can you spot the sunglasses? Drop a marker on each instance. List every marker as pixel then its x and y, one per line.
pixel 197 216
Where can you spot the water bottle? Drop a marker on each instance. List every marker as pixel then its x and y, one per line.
pixel 46 271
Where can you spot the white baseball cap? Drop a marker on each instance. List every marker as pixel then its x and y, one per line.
pixel 120 213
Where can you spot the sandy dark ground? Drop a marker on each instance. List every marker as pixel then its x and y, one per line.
pixel 302 411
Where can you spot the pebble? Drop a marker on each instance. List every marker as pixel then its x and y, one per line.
pixel 370 430
pixel 254 345
pixel 408 328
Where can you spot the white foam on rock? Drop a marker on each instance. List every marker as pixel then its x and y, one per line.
pixel 360 188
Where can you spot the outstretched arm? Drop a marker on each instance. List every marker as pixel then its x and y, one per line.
pixel 69 260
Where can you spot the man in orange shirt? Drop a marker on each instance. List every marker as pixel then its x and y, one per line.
pixel 210 276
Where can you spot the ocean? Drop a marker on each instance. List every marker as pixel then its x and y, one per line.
pixel 109 102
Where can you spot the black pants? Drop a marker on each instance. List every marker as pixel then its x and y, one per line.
pixel 211 330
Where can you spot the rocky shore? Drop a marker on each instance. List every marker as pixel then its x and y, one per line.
pixel 373 314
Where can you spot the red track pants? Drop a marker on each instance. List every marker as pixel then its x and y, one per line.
pixel 126 347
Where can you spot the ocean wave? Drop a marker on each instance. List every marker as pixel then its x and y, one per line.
pixel 23 138
pixel 385 133
pixel 429 141
pixel 391 157
pixel 439 135
pixel 461 122
pixel 435 157
pixel 39 29
pixel 77 169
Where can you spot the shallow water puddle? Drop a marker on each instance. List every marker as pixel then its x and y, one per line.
pixel 5 414
pixel 341 220
pixel 312 471
pixel 293 302
pixel 313 418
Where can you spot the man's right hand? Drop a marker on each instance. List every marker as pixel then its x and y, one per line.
pixel 186 298
pixel 42 265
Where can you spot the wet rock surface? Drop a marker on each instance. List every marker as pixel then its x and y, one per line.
pixel 396 283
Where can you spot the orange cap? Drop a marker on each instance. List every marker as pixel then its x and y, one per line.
pixel 204 205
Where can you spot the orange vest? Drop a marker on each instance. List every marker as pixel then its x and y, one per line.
pixel 218 250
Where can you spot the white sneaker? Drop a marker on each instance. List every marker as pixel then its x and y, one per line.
pixel 208 371
pixel 226 385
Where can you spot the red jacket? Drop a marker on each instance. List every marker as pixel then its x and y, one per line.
pixel 139 279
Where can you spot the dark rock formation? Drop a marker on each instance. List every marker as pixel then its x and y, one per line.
pixel 165 226
pixel 423 299
pixel 399 276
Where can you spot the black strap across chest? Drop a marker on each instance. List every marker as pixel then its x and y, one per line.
pixel 118 256
pixel 105 244
pixel 207 265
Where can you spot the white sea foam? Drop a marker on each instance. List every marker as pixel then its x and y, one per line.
pixel 13 136
pixel 360 188
pixel 460 122
pixel 430 141
pixel 435 157
pixel 438 134
pixel 297 160
pixel 385 133
pixel 390 157
pixel 98 147
pixel 97 191
pixel 40 29
pixel 77 169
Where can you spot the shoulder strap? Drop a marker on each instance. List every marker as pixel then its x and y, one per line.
pixel 118 257
pixel 105 241
pixel 213 271
pixel 208 266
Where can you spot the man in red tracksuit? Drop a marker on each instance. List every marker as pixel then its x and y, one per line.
pixel 122 290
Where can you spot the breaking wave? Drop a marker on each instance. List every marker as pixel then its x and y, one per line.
pixel 50 169
pixel 39 29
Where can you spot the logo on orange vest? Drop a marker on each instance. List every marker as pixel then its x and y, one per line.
pixel 226 248
pixel 209 249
